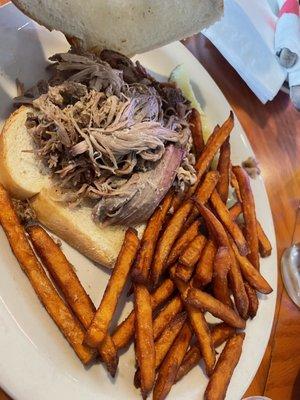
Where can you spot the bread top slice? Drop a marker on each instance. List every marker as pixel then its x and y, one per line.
pixel 20 171
pixel 127 26
pixel 21 175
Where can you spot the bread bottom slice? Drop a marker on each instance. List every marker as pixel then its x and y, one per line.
pixel 76 226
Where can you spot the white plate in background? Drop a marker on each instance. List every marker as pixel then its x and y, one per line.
pixel 36 362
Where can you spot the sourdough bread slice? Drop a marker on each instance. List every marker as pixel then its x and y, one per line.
pixel 75 226
pixel 127 26
pixel 20 173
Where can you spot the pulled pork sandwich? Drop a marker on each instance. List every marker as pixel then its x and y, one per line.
pixel 96 146
pixel 108 132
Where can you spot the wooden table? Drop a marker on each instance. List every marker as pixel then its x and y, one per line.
pixel 274 132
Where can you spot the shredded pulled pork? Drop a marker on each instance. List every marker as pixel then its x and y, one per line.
pixel 141 190
pixel 103 127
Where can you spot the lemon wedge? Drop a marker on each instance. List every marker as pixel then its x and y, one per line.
pixel 180 76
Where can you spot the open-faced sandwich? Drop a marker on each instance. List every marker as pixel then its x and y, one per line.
pixel 119 165
pixel 97 146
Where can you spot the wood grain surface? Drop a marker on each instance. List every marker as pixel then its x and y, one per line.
pixel 274 133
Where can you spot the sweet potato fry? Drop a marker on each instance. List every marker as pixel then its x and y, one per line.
pixel 219 381
pixel 248 206
pixel 236 280
pixel 253 300
pixel 224 170
pixel 212 176
pixel 176 203
pixel 191 359
pixel 212 135
pixel 196 131
pixel 208 185
pixel 194 214
pixel 219 334
pixel 206 302
pixel 213 224
pixel 222 264
pixel 167 240
pixel 237 287
pixel 66 279
pixel 166 315
pixel 55 306
pixel 235 210
pixel 229 223
pixel 63 274
pixel 183 241
pixel 183 272
pixel 164 342
pixel 264 245
pixel 145 255
pixel 204 270
pixel 213 145
pixel 175 225
pixel 101 321
pixel 200 328
pixel 144 341
pixel 234 183
pixel 162 293
pixel 168 369
pixel 192 253
pixel 251 274
pixel 109 355
pixel 125 331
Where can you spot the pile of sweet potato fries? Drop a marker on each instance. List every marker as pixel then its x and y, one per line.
pixel 196 256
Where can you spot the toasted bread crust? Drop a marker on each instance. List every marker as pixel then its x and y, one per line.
pixel 52 215
pixel 6 178
pixel 98 243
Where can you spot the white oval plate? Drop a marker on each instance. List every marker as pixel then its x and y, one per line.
pixel 36 362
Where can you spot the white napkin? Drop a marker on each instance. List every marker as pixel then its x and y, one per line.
pixel 288 36
pixel 245 37
pixel 287 33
